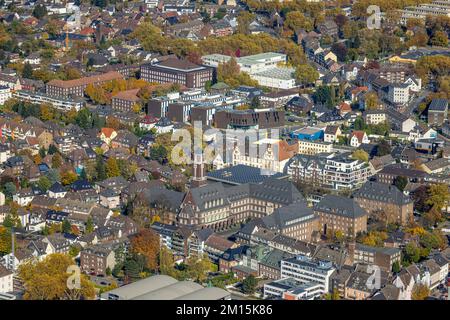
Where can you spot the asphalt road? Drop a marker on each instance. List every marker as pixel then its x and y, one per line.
pixel 414 104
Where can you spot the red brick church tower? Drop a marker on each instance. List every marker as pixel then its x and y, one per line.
pixel 198 175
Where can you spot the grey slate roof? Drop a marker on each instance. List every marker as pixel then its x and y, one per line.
pixel 340 206
pixel 438 105
pixel 282 216
pixel 241 174
pixel 274 257
pixel 169 198
pixel 382 192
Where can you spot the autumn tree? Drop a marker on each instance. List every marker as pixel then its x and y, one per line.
pixel 46 112
pixel 146 243
pixel 56 160
pixel 306 74
pixel 439 39
pixel 360 155
pixel 229 72
pixel 371 100
pixel 96 93
pixel 5 240
pixel 166 261
pixel 438 195
pixel 432 67
pixel 112 167
pixel 150 37
pixel 47 280
pixel 296 20
pixel 332 295
pixel 420 292
pixel 375 238
pixel 243 20
pixel 199 267
pixel 68 177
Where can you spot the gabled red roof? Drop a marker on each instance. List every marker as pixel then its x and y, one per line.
pixel 108 132
pixel 344 107
pixel 358 134
pixel 359 89
pixel 149 119
pixel 87 31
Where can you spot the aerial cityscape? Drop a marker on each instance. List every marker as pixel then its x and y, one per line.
pixel 224 150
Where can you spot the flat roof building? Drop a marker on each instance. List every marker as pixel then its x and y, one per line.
pixel 162 287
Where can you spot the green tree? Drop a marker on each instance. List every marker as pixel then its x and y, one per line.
pixel 42 152
pixel 84 118
pixel 249 284
pixel 89 225
pixel 433 240
pixel 396 267
pixel 52 149
pixel 359 124
pixel 9 189
pixel 383 148
pixel 101 169
pixel 74 251
pixel 39 11
pixel 44 183
pixel 12 220
pixel 400 182
pixel 27 72
pixel 66 227
pixel 412 253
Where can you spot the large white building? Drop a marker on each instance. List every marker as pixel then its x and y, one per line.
pixel 5 94
pixel 280 78
pixel 398 93
pixel 64 104
pixel 330 171
pixel 314 147
pixel 308 270
pixel 263 67
pixel 273 155
pixel 421 11
pixel 6 280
